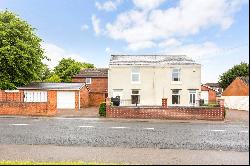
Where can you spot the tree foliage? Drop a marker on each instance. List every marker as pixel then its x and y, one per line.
pixel 21 54
pixel 68 67
pixel 240 70
pixel 54 78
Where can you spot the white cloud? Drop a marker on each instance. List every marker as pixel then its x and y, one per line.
pixel 147 4
pixel 196 51
pixel 108 5
pixel 96 24
pixel 169 43
pixel 55 54
pixel 141 45
pixel 183 20
pixel 84 27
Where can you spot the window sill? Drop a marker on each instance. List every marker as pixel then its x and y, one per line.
pixel 135 82
pixel 176 82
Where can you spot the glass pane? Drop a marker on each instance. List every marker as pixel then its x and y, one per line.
pixel 135 91
pixel 135 77
pixel 175 99
pixel 135 99
pixel 175 91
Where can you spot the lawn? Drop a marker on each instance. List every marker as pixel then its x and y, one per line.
pixel 53 163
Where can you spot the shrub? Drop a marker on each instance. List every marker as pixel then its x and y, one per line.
pixel 102 109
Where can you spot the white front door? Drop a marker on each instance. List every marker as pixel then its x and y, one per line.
pixel 65 100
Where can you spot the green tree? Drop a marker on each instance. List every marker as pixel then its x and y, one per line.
pixel 68 67
pixel 240 70
pixel 54 78
pixel 45 73
pixel 21 54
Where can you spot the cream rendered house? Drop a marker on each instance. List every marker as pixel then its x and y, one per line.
pixel 146 79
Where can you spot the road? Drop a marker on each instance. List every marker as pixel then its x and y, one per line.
pixel 103 133
pixel 142 142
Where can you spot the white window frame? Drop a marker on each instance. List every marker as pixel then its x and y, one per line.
pixel 35 96
pixel 139 94
pixel 192 94
pixel 179 76
pixel 178 94
pixel 137 72
pixel 90 80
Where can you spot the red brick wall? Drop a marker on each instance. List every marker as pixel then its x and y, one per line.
pixel 236 88
pixel 166 113
pixel 84 97
pixel 34 109
pixel 174 113
pixel 97 84
pixel 211 94
pixel 95 98
pixel 11 96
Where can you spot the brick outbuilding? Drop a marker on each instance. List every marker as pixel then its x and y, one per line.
pixel 44 98
pixel 96 79
pixel 236 95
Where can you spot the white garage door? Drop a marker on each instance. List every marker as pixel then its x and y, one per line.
pixel 65 100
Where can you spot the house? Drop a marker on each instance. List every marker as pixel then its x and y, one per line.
pixel 208 94
pixel 97 81
pixel 67 95
pixel 236 95
pixel 146 79
pixel 216 87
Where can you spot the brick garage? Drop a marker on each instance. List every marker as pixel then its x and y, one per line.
pixel 212 93
pixel 96 80
pixel 11 103
pixel 43 98
pixel 164 112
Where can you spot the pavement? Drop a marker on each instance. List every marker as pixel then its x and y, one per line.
pixel 116 155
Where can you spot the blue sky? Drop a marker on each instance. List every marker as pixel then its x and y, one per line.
pixel 215 33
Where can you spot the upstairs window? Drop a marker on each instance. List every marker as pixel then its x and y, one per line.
pixel 135 75
pixel 176 74
pixel 88 80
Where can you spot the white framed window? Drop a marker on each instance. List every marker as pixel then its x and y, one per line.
pixel 35 96
pixel 192 97
pixel 135 96
pixel 135 75
pixel 88 80
pixel 176 96
pixel 176 74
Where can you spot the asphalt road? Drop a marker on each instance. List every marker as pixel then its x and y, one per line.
pixel 123 134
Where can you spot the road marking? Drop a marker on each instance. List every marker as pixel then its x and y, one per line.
pixel 149 128
pixel 118 127
pixel 19 124
pixel 86 126
pixel 218 130
pixel 244 131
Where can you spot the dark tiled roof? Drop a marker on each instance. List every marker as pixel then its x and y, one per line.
pixel 147 60
pixel 52 86
pixel 213 85
pixel 93 72
pixel 245 80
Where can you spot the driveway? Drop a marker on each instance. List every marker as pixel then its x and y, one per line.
pixel 237 116
pixel 90 112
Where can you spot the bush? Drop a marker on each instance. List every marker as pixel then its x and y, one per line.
pixel 102 109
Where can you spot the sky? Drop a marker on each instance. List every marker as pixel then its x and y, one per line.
pixel 215 33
